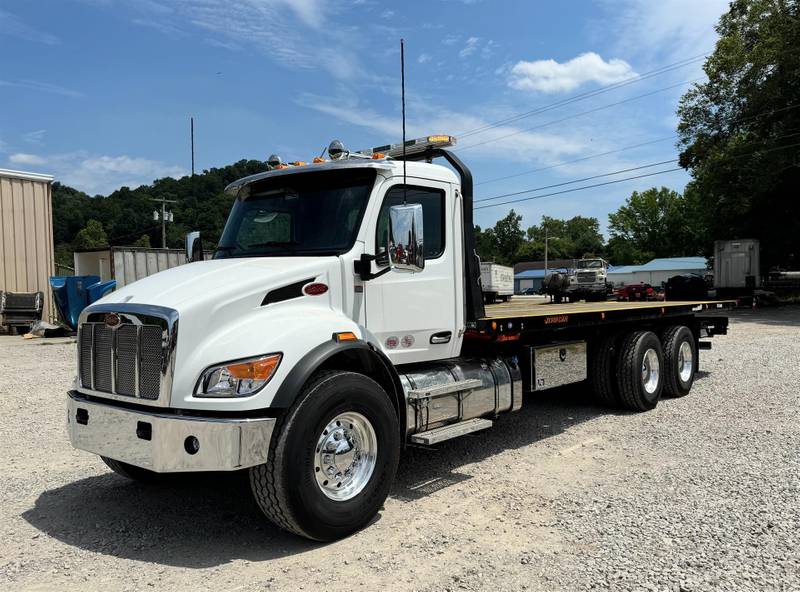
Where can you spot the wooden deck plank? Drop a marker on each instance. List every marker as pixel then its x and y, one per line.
pixel 542 308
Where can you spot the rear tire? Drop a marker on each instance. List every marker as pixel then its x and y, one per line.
pixel 680 360
pixel 133 472
pixel 602 371
pixel 640 371
pixel 290 488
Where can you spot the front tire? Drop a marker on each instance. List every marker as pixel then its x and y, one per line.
pixel 680 360
pixel 640 371
pixel 333 458
pixel 133 472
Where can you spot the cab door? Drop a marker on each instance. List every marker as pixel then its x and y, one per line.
pixel 414 315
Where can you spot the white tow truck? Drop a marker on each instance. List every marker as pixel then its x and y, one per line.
pixel 340 320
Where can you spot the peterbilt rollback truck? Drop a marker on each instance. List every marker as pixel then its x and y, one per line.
pixel 340 321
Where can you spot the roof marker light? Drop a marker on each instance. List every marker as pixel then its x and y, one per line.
pixel 412 146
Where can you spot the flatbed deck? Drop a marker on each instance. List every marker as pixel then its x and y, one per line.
pixel 521 315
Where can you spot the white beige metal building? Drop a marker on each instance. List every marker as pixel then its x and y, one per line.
pixel 26 234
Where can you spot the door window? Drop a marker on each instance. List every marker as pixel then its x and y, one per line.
pixel 432 201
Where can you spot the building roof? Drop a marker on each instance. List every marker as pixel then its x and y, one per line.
pixel 551 264
pixel 9 174
pixel 665 264
pixel 536 273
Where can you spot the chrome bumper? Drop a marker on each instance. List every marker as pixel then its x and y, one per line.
pixel 164 443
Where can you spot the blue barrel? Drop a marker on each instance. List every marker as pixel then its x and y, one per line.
pixel 73 293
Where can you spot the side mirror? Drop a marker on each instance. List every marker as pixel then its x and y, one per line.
pixel 404 242
pixel 194 247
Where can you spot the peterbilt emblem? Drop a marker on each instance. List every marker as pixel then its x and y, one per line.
pixel 562 354
pixel 112 320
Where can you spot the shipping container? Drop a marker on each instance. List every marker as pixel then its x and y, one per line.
pixel 127 264
pixel 26 234
pixel 737 264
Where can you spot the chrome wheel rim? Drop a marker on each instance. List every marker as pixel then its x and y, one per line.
pixel 685 361
pixel 345 456
pixel 650 371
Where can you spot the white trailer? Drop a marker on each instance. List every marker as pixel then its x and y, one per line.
pixel 497 282
pixel 341 320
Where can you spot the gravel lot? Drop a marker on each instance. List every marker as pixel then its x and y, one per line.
pixel 700 494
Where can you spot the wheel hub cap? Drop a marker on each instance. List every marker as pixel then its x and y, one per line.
pixel 685 361
pixel 650 371
pixel 345 456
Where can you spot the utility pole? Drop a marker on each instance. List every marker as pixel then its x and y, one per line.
pixel 164 216
pixel 191 128
pixel 545 250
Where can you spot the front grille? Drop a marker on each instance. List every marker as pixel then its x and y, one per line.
pixel 126 360
pixel 585 277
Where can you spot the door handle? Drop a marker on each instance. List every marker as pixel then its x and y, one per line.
pixel 443 337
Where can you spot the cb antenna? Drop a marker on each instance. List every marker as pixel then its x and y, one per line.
pixel 403 103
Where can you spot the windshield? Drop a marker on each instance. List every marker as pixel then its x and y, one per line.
pixel 590 264
pixel 314 213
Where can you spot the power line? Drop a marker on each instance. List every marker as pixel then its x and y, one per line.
pixel 631 147
pixel 583 158
pixel 633 177
pixel 503 203
pixel 586 95
pixel 628 170
pixel 573 116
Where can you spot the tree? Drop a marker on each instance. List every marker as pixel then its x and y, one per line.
pixel 92 236
pixel 653 223
pixel 502 242
pixel 738 130
pixel 142 241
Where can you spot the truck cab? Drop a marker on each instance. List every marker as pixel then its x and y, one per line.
pixel 588 280
pixel 341 319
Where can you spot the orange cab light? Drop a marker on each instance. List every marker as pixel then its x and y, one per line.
pixel 298 163
pixel 260 369
pixel 345 336
pixel 318 160
pixel 378 155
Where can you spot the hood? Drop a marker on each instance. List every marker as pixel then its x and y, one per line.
pixel 219 283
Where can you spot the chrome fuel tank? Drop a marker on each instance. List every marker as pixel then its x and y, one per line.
pixel 500 390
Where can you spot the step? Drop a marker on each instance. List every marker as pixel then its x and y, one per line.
pixel 448 432
pixel 439 390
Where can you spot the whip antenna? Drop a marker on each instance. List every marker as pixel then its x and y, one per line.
pixel 403 102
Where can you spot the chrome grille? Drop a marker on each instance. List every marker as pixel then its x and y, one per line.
pixel 126 360
pixel 127 350
pixel 150 364
pixel 586 276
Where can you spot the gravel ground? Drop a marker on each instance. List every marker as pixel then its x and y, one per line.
pixel 700 494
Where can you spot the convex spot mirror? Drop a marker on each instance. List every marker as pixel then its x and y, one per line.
pixel 404 242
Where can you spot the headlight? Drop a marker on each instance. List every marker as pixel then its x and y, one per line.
pixel 237 379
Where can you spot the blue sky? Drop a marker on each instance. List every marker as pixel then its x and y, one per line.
pixel 99 92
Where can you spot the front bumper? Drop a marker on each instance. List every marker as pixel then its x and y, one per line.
pixel 163 442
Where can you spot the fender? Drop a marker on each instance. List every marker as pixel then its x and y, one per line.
pixel 368 358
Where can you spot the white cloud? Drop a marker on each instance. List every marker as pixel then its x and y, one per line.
pixel 42 86
pixel 550 76
pixel 470 47
pixel 293 33
pixel 424 58
pixel 523 147
pixel 15 27
pixel 387 14
pixel 34 137
pixel 98 173
pixel 23 159
pixel 669 28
